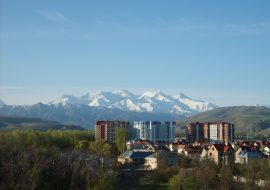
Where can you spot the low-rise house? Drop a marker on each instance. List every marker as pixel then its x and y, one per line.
pixel 190 150
pixel 134 159
pixel 174 146
pixel 204 154
pixel 263 143
pixel 244 154
pixel 193 151
pixel 151 162
pixel 221 153
pixel 181 148
pixel 131 145
pixel 169 158
pixel 254 143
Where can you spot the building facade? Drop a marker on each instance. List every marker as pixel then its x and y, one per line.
pixel 210 132
pixel 107 130
pixel 244 154
pixel 194 132
pixel 155 130
pixel 221 153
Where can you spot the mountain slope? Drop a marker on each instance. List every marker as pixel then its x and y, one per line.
pixel 82 115
pixel 2 103
pixel 252 119
pixel 156 102
pixel 19 123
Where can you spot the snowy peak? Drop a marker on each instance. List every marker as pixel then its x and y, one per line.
pixel 67 99
pixel 155 96
pixel 2 103
pixel 125 94
pixel 157 102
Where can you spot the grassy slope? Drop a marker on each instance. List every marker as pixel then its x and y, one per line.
pixel 14 123
pixel 251 119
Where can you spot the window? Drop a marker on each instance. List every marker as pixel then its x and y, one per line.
pixel 210 153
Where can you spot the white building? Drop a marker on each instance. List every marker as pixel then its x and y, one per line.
pixel 156 130
pixel 213 132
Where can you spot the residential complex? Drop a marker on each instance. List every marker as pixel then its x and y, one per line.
pixel 195 132
pixel 210 132
pixel 154 130
pixel 107 130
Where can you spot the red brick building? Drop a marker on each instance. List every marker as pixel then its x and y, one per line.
pixel 107 130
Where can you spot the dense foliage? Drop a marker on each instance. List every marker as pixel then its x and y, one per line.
pixel 55 160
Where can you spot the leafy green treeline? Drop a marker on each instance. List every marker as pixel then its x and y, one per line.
pixel 60 139
pixel 206 175
pixel 56 160
pixel 192 174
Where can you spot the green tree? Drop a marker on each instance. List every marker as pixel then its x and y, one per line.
pixel 101 148
pixel 181 182
pixel 82 145
pixel 121 139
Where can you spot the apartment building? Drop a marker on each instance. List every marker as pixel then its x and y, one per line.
pixel 107 130
pixel 210 132
pixel 155 130
pixel 195 132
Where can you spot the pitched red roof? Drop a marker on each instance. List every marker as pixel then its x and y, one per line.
pixel 222 147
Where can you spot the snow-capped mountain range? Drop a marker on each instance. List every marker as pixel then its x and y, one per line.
pixel 2 103
pixel 155 102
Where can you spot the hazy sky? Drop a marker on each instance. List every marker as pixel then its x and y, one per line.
pixel 217 51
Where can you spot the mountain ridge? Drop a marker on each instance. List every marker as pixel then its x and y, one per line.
pixel 156 102
pixel 82 115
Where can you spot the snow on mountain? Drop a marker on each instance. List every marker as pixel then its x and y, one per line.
pixel 197 105
pixel 67 99
pixel 157 102
pixel 101 98
pixel 2 103
pixel 126 94
pixel 127 105
pixel 158 96
pixel 258 105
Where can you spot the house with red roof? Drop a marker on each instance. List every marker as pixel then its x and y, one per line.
pixel 221 153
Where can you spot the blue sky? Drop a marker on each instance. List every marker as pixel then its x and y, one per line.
pixel 217 51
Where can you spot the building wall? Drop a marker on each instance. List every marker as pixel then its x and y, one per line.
pixel 151 163
pixel 107 130
pixel 213 154
pixel 155 130
pixel 194 132
pixel 214 131
pixel 213 135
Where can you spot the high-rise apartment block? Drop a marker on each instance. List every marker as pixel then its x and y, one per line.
pixel 155 130
pixel 195 132
pixel 107 130
pixel 210 132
